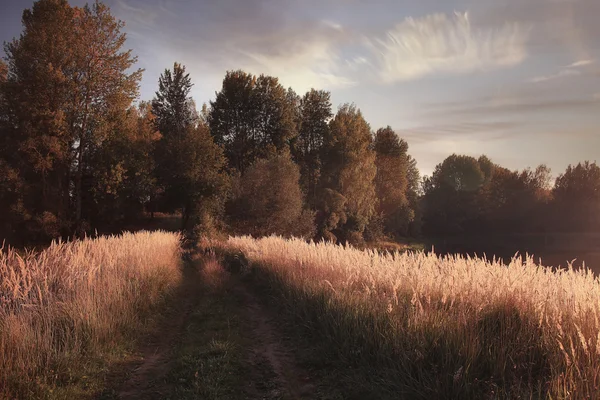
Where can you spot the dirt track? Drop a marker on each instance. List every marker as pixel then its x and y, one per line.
pixel 268 368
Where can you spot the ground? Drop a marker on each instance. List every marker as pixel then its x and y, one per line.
pixel 217 340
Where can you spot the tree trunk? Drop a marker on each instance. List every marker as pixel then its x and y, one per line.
pixel 79 174
pixel 78 188
pixel 184 217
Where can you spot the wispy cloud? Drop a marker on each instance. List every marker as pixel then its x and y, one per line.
pixel 572 69
pixel 312 64
pixel 480 108
pixel 580 63
pixel 450 44
pixel 138 16
pixel 491 130
pixel 561 74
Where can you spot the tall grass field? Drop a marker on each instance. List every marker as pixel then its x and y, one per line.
pixel 75 300
pixel 422 326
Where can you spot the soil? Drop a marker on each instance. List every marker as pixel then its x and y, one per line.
pixel 271 371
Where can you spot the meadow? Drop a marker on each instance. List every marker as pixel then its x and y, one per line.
pixel 75 302
pixel 423 326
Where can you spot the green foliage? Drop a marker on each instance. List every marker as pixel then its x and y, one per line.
pixel 269 200
pixel 314 114
pixel 68 83
pixel 349 169
pixel 461 173
pixel 76 155
pixel 466 195
pixel 123 175
pixel 577 197
pixel 173 106
pixel 391 182
pixel 189 165
pixel 509 201
pixel 252 118
pixel 451 195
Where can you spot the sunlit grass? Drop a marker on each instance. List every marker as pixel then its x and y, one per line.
pixel 441 327
pixel 77 299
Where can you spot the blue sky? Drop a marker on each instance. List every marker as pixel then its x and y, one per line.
pixel 517 80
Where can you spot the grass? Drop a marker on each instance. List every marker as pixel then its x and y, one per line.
pixel 209 360
pixel 67 310
pixel 420 326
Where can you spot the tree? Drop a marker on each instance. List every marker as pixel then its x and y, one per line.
pixel 461 173
pixel 123 181
pixel 513 201
pixel 68 79
pixel 315 112
pixel 577 198
pixel 486 166
pixel 106 85
pixel 37 95
pixel 451 195
pixel 189 165
pixel 349 169
pixel 391 181
pixel 172 105
pixel 251 118
pixel 10 181
pixel 413 195
pixel 270 200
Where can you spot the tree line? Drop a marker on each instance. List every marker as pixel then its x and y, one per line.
pixel 79 152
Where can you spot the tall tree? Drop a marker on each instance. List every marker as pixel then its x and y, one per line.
pixel 68 78
pixel 172 106
pixel 349 169
pixel 391 181
pixel 451 195
pixel 577 198
pixel 251 118
pixel 315 113
pixel 10 181
pixel 107 87
pixel 189 164
pixel 122 181
pixel 38 92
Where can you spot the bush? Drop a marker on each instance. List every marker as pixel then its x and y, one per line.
pixel 269 200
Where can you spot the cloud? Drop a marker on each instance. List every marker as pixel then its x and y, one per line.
pixel 580 63
pixel 482 108
pixel 492 130
pixel 255 35
pixel 568 25
pixel 560 74
pixel 436 43
pixel 138 16
pixel 309 63
pixel 570 70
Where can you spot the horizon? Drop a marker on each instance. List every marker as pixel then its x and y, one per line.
pixel 516 81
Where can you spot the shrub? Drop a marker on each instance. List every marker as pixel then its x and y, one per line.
pixel 270 200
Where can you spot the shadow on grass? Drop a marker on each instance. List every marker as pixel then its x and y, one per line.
pixel 363 353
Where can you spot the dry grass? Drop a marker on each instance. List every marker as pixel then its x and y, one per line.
pixel 75 300
pixel 433 327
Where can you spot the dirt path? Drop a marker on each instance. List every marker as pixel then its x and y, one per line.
pixel 216 341
pixel 270 355
pixel 147 379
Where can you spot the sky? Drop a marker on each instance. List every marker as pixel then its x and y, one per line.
pixel 517 80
